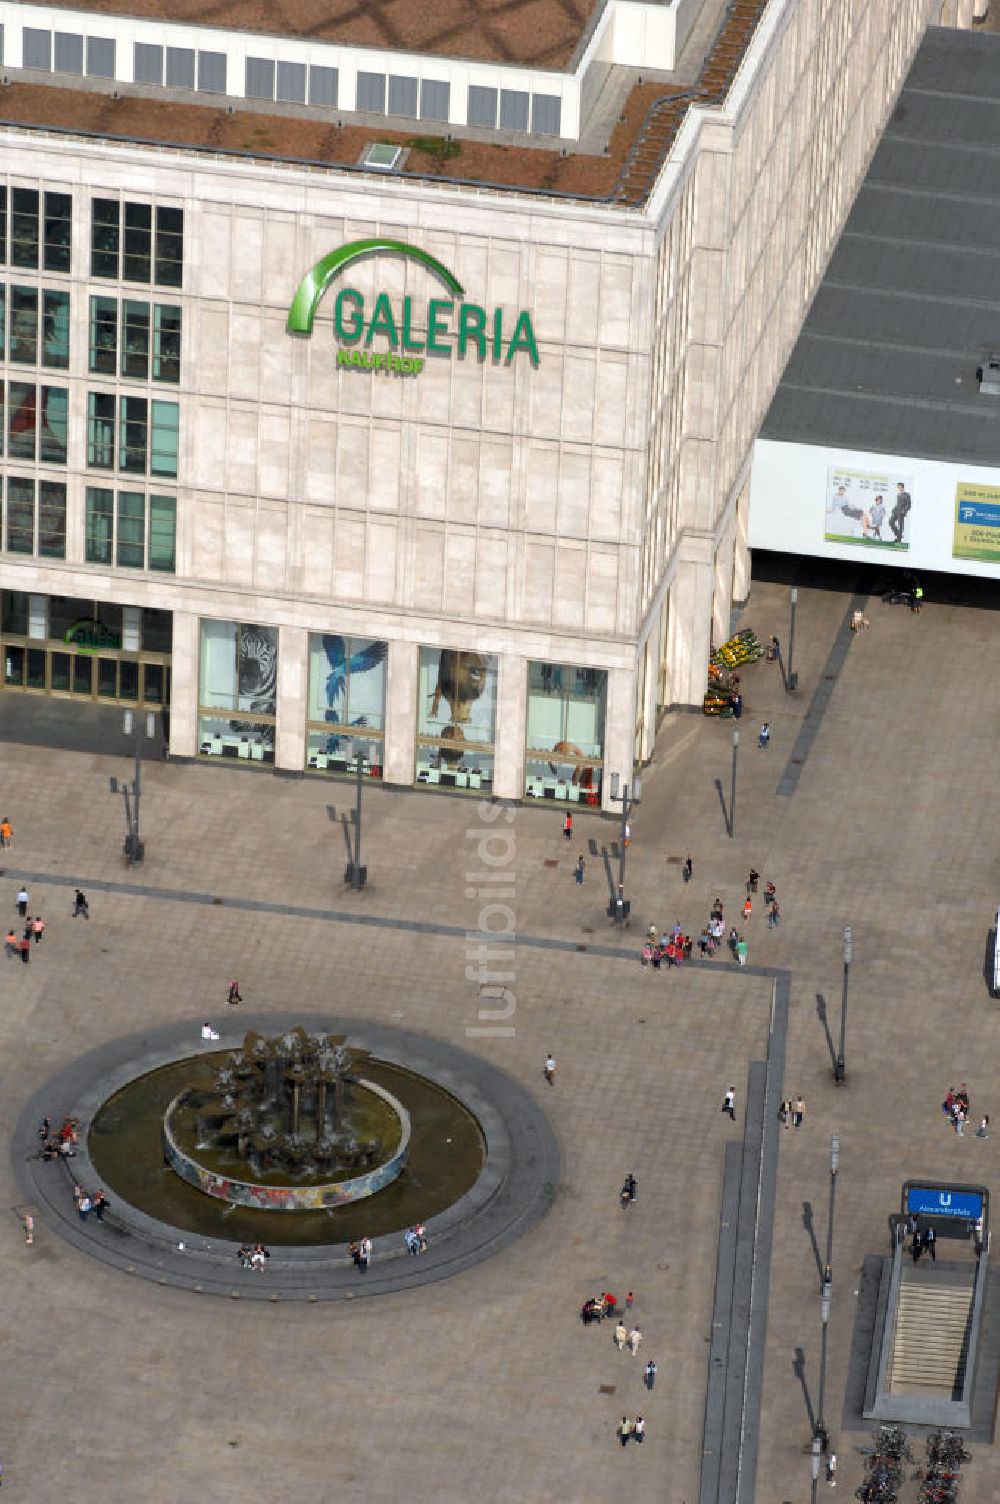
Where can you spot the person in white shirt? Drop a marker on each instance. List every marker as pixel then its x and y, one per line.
pixel 207 1032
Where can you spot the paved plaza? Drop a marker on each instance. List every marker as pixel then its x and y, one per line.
pixel 118 1389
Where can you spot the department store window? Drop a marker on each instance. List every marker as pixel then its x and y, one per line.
pixel 546 112
pixel 180 67
pixel 68 57
pixel 564 736
pixel 482 106
pixel 147 63
pixel 259 80
pixel 324 84
pixel 100 57
pixel 22 329
pixel 36 48
pixel 35 517
pixel 346 707
pixel 238 690
pixel 52 237
pixel 146 329
pixel 212 72
pixel 36 422
pixel 402 96
pixel 513 110
pixel 291 86
pixel 136 245
pixel 435 100
pixel 147 434
pixel 371 93
pixel 456 718
pixel 130 530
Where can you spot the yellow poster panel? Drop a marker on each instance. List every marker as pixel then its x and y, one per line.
pixel 977 522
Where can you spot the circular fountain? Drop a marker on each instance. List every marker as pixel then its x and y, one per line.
pixel 287 1123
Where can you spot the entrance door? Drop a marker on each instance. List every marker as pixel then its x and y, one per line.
pixel 59 666
pixel 107 678
pixel 83 675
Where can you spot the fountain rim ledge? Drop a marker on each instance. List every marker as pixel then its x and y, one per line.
pixel 318 1196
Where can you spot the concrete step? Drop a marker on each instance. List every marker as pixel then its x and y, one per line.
pixel 929 1346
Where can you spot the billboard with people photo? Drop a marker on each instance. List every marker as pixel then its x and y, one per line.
pixel 868 507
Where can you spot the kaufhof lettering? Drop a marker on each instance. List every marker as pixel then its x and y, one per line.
pixel 405 336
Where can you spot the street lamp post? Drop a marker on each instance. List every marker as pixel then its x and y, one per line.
pixel 732 788
pixel 131 726
pixel 821 1439
pixel 355 874
pixel 626 796
pixel 840 1069
pixel 792 679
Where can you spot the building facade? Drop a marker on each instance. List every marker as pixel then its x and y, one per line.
pixel 479 524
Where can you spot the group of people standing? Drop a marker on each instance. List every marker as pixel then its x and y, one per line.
pixel 33 930
pixel 956 1109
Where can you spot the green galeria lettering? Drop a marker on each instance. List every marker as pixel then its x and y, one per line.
pixel 409 343
pixel 471 325
pixel 497 333
pixel 349 305
pixel 523 338
pixel 438 310
pixel 382 321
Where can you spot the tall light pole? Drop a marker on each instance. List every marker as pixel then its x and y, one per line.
pixel 821 1439
pixel 792 679
pixel 732 788
pixel 131 726
pixel 355 874
pixel 840 1069
pixel 622 794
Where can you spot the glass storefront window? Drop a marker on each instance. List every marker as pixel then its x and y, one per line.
pixel 239 674
pixel 346 703
pixel 564 743
pixel 456 718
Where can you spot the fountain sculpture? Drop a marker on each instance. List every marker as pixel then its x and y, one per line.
pixel 287 1123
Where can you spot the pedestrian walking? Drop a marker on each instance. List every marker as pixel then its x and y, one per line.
pixel 688 868
pixel 235 995
pixel 798 1112
pixel 6 833
pixel 831 1470
pixel 729 1103
pixel 959 1120
pixel 364 1254
pixel 639 1429
pixel 774 915
pixel 621 1336
pixel 579 872
pixel 80 904
pixel 38 928
pixel 629 1301
pixel 650 1375
pixel 24 946
pixel 930 1243
pixel 983 1131
pixel 785 1113
pixel 624 1431
pixel 99 1205
pixel 568 826
pixel 550 1069
pixel 10 943
pixel 737 704
pixel 764 735
pixel 207 1032
pixel 742 951
pixel 22 903
pixel 29 1228
pixel 634 1340
pixel 747 908
pixel 917 1245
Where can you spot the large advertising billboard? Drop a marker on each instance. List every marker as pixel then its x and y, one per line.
pixel 898 510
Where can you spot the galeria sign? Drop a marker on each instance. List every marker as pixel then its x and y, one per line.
pixel 450 325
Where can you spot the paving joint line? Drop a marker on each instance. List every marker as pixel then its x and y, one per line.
pixel 813 720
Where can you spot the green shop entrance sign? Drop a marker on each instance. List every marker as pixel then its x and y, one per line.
pixel 452 325
pixel 91 636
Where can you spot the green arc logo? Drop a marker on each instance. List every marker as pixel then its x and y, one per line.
pixel 316 281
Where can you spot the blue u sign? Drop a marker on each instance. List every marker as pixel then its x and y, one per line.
pixel 934 1201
